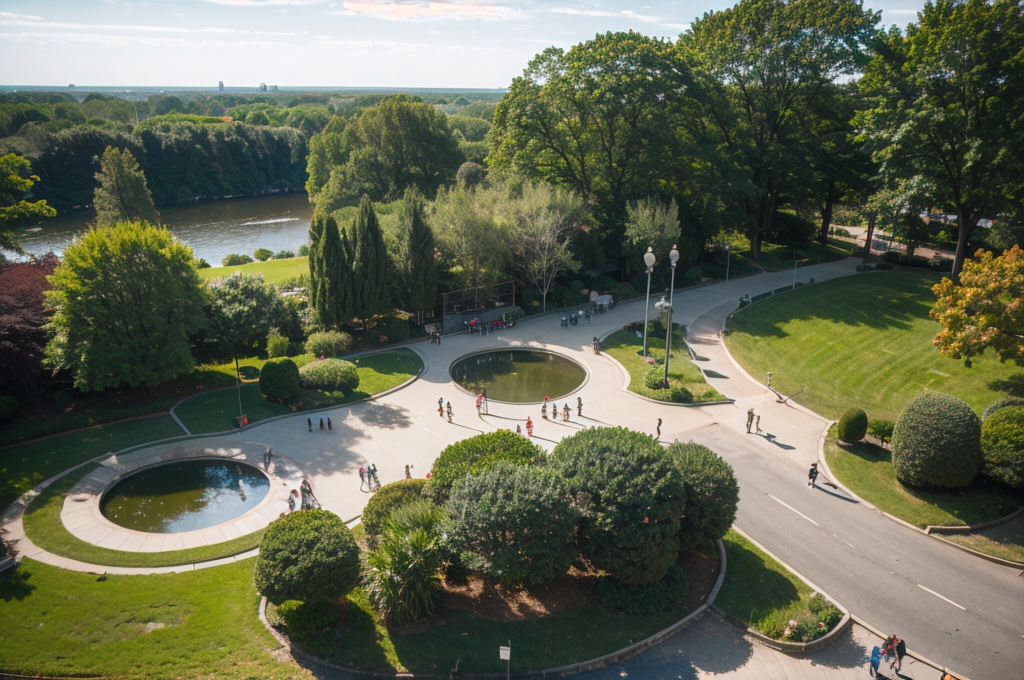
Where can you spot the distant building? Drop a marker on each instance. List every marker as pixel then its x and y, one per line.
pixel 273 88
pixel 263 87
pixel 220 86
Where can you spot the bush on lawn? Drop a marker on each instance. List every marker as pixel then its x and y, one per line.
pixel 649 598
pixel 882 429
pixel 1002 446
pixel 308 555
pixel 655 379
pixel 477 453
pixel 1002 403
pixel 630 496
pixel 263 254
pixel 330 375
pixel 403 568
pixel 383 504
pixel 515 521
pixel 712 494
pixel 277 344
pixel 853 425
pixel 937 442
pixel 8 407
pixel 328 344
pixel 304 620
pixel 235 259
pixel 279 379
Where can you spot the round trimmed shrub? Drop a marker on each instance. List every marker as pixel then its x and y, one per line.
pixel 645 599
pixel 389 498
pixel 630 497
pixel 853 425
pixel 937 442
pixel 308 555
pixel 515 521
pixel 478 453
pixel 8 407
pixel 279 378
pixel 1002 446
pixel 1002 403
pixel 655 379
pixel 330 375
pixel 712 494
pixel 328 343
pixel 303 620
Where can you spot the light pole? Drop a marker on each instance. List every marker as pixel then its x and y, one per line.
pixel 649 260
pixel 728 259
pixel 673 258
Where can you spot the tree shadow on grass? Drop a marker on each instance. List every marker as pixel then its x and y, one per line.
pixel 1013 385
pixel 14 584
pixel 354 642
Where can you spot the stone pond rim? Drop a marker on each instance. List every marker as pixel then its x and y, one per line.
pixel 518 375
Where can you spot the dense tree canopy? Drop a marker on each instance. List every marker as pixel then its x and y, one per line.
pixel 16 181
pixel 22 317
pixel 243 309
pixel 124 301
pixel 122 194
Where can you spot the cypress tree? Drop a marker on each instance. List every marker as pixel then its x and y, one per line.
pixel 328 272
pixel 317 275
pixel 420 257
pixel 370 265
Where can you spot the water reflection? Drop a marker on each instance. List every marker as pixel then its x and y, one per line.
pixel 518 375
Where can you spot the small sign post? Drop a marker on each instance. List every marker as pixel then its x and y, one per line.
pixel 505 654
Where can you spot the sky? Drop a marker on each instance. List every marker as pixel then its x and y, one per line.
pixel 319 43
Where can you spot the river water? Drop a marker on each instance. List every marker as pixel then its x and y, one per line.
pixel 214 229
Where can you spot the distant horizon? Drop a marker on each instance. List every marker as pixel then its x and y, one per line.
pixel 243 89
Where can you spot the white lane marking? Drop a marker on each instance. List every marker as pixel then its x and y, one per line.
pixel 846 542
pixel 796 511
pixel 426 428
pixel 940 596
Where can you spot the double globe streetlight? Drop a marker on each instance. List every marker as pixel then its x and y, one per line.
pixel 649 260
pixel 665 307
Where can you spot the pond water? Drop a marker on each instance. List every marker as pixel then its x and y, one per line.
pixel 213 229
pixel 184 496
pixel 518 375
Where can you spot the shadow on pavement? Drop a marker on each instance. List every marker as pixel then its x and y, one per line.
pixel 387 416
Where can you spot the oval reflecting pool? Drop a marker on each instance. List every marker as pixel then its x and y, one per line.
pixel 518 375
pixel 184 496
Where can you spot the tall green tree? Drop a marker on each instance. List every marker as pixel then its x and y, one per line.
pixel 243 309
pixel 650 224
pixel 330 267
pixel 16 180
pixel 949 93
pixel 370 266
pixel 420 255
pixel 124 302
pixel 754 67
pixel 122 194
pixel 474 245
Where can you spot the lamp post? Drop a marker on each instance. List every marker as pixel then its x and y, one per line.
pixel 673 258
pixel 728 259
pixel 649 260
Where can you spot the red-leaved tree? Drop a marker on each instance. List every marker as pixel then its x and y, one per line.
pixel 22 316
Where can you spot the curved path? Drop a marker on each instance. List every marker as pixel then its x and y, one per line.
pixel 956 609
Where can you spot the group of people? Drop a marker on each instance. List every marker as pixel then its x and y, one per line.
pixel 368 480
pixel 574 318
pixel 893 650
pixel 435 337
pixel 441 409
pixel 554 410
pixel 330 425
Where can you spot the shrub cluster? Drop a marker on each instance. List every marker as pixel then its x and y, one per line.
pixel 8 407
pixel 304 620
pixel 649 598
pixel 328 344
pixel 937 442
pixel 263 254
pixel 477 453
pixel 279 379
pixel 277 344
pixel 1002 403
pixel 393 329
pixel 329 375
pixel 882 429
pixel 234 259
pixel 712 494
pixel 308 555
pixel 389 498
pixel 1002 446
pixel 853 425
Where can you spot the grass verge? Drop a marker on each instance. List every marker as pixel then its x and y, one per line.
pixel 274 271
pixel 867 470
pixel 44 527
pixel 626 348
pixel 1003 541
pixel 215 411
pixel 862 341
pixel 194 625
pixel 761 593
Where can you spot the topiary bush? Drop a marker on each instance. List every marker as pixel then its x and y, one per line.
pixel 263 254
pixel 329 375
pixel 1002 403
pixel 279 379
pixel 937 442
pixel 328 343
pixel 712 494
pixel 277 344
pixel 389 498
pixel 477 453
pixel 304 620
pixel 649 598
pixel 515 521
pixel 1002 446
pixel 8 407
pixel 630 496
pixel 853 425
pixel 308 555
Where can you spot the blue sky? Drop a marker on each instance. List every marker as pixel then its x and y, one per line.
pixel 323 43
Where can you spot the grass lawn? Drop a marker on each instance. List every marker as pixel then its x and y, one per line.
pixel 45 528
pixel 22 466
pixel 457 640
pixel 761 593
pixel 863 340
pixel 781 257
pixel 867 470
pixel 194 625
pixel 215 411
pixel 274 271
pixel 1004 540
pixel 626 348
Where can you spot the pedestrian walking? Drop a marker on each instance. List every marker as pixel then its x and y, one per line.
pixel 362 474
pixel 544 409
pixel 889 648
pixel 321 424
pixel 659 428
pixel 597 345
pixel 565 413
pixel 519 429
pixel 579 407
pixel 876 659
pixel 901 651
pixel 529 427
pixel 812 475
pixel 408 472
pixel 757 424
pixel 330 426
pixel 750 419
pixel 374 480
pixel 479 402
pixel 449 411
pixel 440 410
pixel 440 402
pixel 309 424
pixel 267 455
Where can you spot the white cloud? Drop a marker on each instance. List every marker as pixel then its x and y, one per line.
pixel 626 13
pixel 264 3
pixel 39 24
pixel 431 11
pixel 13 16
